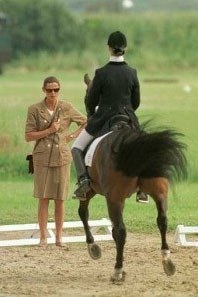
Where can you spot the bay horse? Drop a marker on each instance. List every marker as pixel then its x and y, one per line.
pixel 124 162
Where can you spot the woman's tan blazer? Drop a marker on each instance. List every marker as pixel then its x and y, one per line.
pixel 52 150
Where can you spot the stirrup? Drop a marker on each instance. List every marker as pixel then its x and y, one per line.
pixel 142 197
pixel 82 198
pixel 83 188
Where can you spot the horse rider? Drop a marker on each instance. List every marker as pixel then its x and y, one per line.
pixel 115 90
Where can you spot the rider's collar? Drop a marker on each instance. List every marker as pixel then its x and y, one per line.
pixel 116 59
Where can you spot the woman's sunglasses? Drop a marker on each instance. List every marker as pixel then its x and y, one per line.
pixel 52 90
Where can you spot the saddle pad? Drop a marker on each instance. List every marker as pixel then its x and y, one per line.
pixel 91 150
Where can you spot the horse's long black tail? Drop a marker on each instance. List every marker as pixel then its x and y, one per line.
pixel 151 154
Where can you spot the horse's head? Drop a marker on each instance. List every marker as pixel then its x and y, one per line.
pixel 87 81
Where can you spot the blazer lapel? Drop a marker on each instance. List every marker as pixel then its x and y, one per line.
pixel 44 112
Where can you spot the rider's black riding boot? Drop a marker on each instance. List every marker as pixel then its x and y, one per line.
pixel 82 175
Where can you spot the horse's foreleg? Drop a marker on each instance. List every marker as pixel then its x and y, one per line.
pixel 162 223
pixel 119 236
pixel 93 249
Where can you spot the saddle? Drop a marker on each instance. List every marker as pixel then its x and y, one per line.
pixel 118 121
pixel 114 123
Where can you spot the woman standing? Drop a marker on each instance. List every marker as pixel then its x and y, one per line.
pixel 48 125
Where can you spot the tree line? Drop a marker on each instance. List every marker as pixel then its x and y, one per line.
pixel 47 26
pixel 42 25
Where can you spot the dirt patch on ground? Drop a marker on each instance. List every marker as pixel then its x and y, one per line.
pixel 57 272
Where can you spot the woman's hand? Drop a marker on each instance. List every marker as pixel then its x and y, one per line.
pixel 55 126
pixel 70 137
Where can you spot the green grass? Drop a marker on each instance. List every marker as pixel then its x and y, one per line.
pixel 18 206
pixel 168 103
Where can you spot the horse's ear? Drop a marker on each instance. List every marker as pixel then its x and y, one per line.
pixel 87 79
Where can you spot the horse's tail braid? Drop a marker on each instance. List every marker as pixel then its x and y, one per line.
pixel 151 154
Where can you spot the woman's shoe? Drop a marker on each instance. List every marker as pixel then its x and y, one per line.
pixel 43 243
pixel 59 244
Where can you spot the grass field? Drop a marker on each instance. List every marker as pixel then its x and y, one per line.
pixel 171 104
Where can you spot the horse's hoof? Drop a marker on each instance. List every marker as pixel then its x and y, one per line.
pixel 169 267
pixel 94 251
pixel 118 278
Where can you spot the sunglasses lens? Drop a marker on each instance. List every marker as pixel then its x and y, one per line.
pixel 52 90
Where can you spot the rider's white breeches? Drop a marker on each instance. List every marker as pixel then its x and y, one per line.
pixel 83 139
